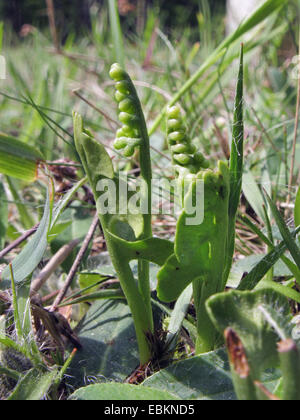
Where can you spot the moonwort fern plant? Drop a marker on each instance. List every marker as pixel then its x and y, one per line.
pixel 128 236
pixel 203 249
pixel 203 252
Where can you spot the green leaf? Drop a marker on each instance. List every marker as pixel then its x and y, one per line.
pixel 116 31
pixel 236 164
pixel 96 161
pixel 251 280
pixel 178 315
pixel 289 264
pixel 297 209
pixel 153 249
pixel 281 289
pixel 76 222
pixel 205 377
pixel 120 392
pixel 62 204
pixel 253 194
pixel 285 232
pixel 200 250
pixel 26 218
pixel 109 347
pixel 244 313
pixel 18 159
pixel 29 258
pixel 101 294
pixel 173 278
pixel 237 147
pixel 33 386
pixel 3 215
pixel 109 344
pixel 1 34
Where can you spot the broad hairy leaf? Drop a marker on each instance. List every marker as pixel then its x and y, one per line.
pixel 109 345
pixel 33 386
pixel 120 392
pixel 245 314
pixel 109 348
pixel 205 377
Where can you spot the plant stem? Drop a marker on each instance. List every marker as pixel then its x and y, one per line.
pixel 15 305
pixel 143 321
pixel 51 17
pixel 141 314
pixel 146 174
pixel 206 332
pixel 290 366
pixel 240 369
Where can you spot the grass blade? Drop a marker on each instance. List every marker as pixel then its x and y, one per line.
pixel 236 163
pixel 178 315
pixel 1 35
pixel 261 269
pixel 101 294
pixel 3 215
pixel 253 194
pixel 297 210
pixel 17 320
pixel 116 32
pixel 291 266
pixel 31 255
pixel 285 232
pixel 252 279
pixel 26 218
pixel 237 147
pixel 279 288
pixel 61 206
